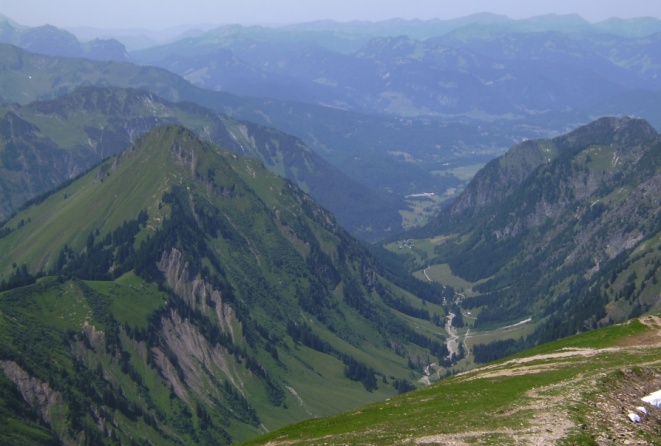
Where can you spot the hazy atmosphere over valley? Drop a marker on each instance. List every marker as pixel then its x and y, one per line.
pixel 330 222
pixel 155 15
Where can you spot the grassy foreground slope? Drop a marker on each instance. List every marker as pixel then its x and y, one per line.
pixel 579 390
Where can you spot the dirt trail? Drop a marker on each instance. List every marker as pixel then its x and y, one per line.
pixel 300 400
pixel 424 271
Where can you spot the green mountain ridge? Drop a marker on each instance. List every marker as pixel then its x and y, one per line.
pixel 48 142
pixel 562 232
pixel 503 176
pixel 191 296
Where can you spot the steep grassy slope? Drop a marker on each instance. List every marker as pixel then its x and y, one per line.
pixel 576 391
pixel 47 142
pixel 193 295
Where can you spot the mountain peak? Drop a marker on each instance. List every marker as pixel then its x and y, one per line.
pixel 503 175
pixel 610 131
pixel 581 206
pixel 173 146
pixel 262 287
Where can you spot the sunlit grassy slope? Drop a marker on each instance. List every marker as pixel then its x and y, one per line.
pixel 578 390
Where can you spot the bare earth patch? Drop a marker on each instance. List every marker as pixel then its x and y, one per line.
pixel 548 422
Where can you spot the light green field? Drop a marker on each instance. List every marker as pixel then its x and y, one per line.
pixel 443 275
pixel 422 249
pixel 420 210
pixel 464 173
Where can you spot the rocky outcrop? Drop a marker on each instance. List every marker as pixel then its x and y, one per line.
pixel 501 177
pixel 198 293
pixel 199 365
pixel 198 362
pixel 37 393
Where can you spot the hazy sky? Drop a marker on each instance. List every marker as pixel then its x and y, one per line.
pixel 160 14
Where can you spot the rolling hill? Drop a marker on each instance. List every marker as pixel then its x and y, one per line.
pixel 180 293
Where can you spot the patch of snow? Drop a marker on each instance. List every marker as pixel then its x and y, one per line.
pixel 422 194
pixel 654 399
pixel 634 417
pixel 519 323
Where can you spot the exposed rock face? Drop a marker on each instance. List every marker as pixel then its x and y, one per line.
pixel 198 361
pixel 195 291
pixel 38 394
pixel 501 176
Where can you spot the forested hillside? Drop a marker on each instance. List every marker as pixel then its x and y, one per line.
pixel 561 233
pixel 181 293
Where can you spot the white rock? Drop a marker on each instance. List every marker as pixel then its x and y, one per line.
pixel 634 417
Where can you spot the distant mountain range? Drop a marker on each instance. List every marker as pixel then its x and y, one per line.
pixel 484 69
pixel 386 154
pixel 482 83
pixel 481 67
pixel 53 41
